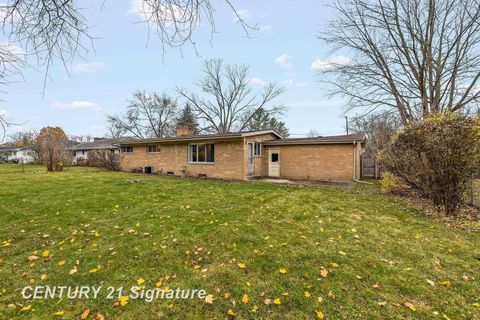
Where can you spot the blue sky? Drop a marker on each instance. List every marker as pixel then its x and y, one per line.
pixel 125 59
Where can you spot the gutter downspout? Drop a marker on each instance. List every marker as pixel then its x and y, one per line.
pixel 355 165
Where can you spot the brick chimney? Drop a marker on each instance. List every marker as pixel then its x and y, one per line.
pixel 183 130
pixel 98 138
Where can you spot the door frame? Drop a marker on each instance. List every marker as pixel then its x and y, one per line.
pixel 270 152
pixel 250 158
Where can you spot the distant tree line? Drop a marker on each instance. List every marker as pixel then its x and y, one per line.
pixel 225 102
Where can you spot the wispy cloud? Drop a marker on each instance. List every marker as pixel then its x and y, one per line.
pixel 243 14
pixel 255 80
pixel 284 61
pixel 88 67
pixel 330 63
pixel 293 83
pixel 77 104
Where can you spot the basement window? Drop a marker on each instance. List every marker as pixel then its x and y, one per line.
pixel 201 153
pixel 148 170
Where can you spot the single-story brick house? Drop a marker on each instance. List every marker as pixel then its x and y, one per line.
pixel 244 155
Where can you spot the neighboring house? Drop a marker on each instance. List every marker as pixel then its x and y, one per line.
pixel 80 151
pixel 17 154
pixel 244 155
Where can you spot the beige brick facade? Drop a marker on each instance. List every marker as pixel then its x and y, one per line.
pixel 332 162
pixel 328 162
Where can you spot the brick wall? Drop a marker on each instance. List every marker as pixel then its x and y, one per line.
pixel 229 160
pixel 316 162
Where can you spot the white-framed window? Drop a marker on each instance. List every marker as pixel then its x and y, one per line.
pixel 257 149
pixel 201 153
pixel 127 149
pixel 152 148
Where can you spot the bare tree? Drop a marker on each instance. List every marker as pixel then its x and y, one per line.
pixel 378 129
pixel 312 133
pixel 176 21
pixel 228 103
pixel 412 56
pixel 58 30
pixel 148 115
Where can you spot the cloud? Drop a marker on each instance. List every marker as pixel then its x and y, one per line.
pixel 330 63
pixel 258 81
pixel 243 14
pixel 74 105
pixel 4 113
pixel 265 28
pixel 88 67
pixel 284 61
pixel 293 83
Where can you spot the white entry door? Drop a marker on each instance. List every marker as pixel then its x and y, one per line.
pixel 274 163
pixel 250 160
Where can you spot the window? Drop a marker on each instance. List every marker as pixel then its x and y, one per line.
pixel 257 149
pixel 201 153
pixel 74 153
pixel 152 148
pixel 148 170
pixel 127 149
pixel 274 157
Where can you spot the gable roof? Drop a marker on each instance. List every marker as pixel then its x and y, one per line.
pixel 107 143
pixel 340 139
pixel 216 136
pixel 13 148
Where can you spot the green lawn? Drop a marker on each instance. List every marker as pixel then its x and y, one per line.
pixel 195 234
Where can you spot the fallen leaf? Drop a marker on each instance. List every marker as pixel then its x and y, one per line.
pixel 430 282
pixel 277 301
pixel 93 270
pixel 335 265
pixel 324 273
pixel 226 295
pixel 73 271
pixel 140 281
pixel 267 301
pixel 382 303
pixel 446 283
pixel 99 316
pixel 61 262
pixel 209 299
pixel 59 313
pixel 242 265
pixel 85 314
pixel 245 299
pixel 231 313
pixel 445 316
pixel 26 308
pixel 32 258
pixel 307 294
pixel 320 299
pixel 410 306
pixel 320 314
pixel 254 309
pixel 331 295
pixel 43 276
pixel 123 300
pixel 282 270
pixel 342 253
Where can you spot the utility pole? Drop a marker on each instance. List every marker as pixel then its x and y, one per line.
pixel 346 123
